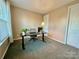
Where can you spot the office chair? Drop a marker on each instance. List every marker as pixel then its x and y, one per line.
pixel 33 34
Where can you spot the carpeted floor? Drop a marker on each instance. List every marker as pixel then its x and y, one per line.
pixel 41 50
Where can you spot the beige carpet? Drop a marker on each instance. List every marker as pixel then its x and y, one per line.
pixel 41 50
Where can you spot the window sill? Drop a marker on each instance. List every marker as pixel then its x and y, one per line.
pixel 4 40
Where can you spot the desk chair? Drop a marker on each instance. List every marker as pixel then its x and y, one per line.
pixel 33 34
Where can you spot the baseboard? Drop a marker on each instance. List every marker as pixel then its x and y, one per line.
pixel 5 51
pixel 56 40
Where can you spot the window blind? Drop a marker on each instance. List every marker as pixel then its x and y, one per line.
pixel 3 30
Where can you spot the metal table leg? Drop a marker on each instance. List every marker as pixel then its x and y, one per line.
pixel 43 37
pixel 23 47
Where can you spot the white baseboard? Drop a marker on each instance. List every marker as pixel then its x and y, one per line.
pixel 5 51
pixel 56 40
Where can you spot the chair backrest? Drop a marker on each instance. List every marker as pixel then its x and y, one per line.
pixel 33 30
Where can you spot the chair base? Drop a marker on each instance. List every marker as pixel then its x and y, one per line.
pixel 34 39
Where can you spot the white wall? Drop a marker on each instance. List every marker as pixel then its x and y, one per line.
pixel 57 24
pixel 22 18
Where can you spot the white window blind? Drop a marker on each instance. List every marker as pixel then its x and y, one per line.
pixel 3 21
pixel 3 30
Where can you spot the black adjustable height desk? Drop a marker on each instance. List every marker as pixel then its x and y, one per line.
pixel 28 34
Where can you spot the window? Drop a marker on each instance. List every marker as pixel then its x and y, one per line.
pixel 3 30
pixel 3 21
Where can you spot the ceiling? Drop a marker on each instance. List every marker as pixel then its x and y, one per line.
pixel 39 6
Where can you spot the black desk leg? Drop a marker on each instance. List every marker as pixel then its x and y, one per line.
pixel 43 37
pixel 23 43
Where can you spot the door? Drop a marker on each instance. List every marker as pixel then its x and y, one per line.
pixel 73 32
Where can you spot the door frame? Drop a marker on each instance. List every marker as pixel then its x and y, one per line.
pixel 68 21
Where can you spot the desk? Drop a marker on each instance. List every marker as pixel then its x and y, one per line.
pixel 28 34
